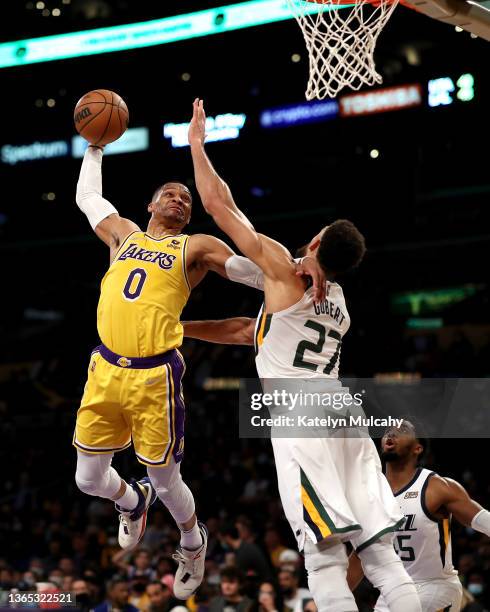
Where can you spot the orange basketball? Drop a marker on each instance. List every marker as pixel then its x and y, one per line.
pixel 101 116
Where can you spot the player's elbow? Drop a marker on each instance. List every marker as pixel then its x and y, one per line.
pixel 247 334
pixel 217 199
pixel 83 194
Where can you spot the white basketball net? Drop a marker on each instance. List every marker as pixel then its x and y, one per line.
pixel 341 43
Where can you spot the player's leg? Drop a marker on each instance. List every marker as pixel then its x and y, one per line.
pixel 156 411
pixel 179 501
pixel 377 511
pixel 95 476
pixel 310 480
pixel 440 594
pixel 326 564
pixel 381 605
pixel 384 569
pixel 101 429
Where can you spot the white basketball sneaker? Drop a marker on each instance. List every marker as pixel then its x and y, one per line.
pixel 190 572
pixel 132 524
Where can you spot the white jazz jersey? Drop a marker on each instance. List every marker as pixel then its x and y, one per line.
pixel 423 542
pixel 304 340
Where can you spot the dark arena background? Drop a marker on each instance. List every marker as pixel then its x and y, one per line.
pixel 413 176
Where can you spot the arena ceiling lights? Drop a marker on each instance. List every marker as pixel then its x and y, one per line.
pixel 145 34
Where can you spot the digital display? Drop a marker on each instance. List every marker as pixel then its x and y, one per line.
pixel 148 33
pixel 297 114
pixel 221 127
pixel 133 140
pixel 444 91
pixel 417 303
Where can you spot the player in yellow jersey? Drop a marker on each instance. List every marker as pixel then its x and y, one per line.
pixel 133 392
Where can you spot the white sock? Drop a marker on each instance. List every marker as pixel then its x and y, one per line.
pixel 192 539
pixel 129 500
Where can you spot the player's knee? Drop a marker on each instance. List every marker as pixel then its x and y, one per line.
pixel 90 487
pixel 173 492
pixel 326 564
pixel 95 476
pixel 383 568
pixel 164 487
pixel 326 554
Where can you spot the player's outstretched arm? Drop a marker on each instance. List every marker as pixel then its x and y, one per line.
pixel 217 199
pixel 101 214
pixel 456 500
pixel 238 330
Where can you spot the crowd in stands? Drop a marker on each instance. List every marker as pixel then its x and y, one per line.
pixel 53 536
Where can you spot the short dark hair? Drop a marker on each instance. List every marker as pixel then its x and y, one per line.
pixel 115 581
pixel 425 443
pixel 342 247
pixel 157 191
pixel 232 574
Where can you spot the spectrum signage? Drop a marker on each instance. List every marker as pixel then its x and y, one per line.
pixel 12 154
pixel 297 114
pixel 134 139
pixel 221 127
pixel 381 100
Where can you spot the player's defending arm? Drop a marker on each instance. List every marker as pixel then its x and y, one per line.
pixel 101 214
pixel 455 499
pixel 238 330
pixel 218 202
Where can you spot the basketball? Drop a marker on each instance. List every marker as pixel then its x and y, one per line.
pixel 101 116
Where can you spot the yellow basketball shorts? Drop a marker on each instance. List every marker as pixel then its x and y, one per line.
pixel 136 400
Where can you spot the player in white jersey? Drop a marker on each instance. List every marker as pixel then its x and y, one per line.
pixel 429 502
pixel 332 490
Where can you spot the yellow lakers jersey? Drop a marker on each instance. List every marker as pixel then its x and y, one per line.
pixel 142 296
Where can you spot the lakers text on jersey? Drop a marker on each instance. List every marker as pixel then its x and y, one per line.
pixel 142 296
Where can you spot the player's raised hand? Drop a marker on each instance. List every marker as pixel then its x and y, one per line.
pixel 309 266
pixel 197 126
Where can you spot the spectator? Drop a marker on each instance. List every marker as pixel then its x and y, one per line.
pixel 269 600
pixel 231 598
pixel 141 565
pixel 81 591
pixel 160 597
pixel 248 556
pixel 117 598
pixel 294 596
pixel 245 529
pixel 138 596
pixel 468 603
pixel 157 531
pixel 275 547
pixel 476 585
pixel 67 566
pixel 290 559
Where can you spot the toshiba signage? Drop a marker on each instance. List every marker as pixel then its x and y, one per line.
pixel 381 100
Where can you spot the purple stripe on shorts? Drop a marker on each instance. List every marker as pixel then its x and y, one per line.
pixel 179 417
pixel 138 363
